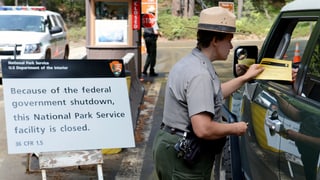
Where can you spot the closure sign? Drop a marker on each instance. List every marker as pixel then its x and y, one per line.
pixel 148 20
pixel 62 105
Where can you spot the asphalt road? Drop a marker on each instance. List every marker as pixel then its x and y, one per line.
pixel 132 163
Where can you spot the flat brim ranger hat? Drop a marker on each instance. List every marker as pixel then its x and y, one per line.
pixel 217 19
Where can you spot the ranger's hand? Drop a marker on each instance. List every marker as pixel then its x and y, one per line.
pixel 240 128
pixel 253 71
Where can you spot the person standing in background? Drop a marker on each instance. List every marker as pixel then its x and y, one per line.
pixel 150 36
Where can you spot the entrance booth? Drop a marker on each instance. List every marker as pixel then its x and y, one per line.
pixel 113 28
pixel 114 31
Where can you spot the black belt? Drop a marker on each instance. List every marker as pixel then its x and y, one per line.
pixel 150 35
pixel 172 130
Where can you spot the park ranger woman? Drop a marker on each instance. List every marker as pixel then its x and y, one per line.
pixel 192 132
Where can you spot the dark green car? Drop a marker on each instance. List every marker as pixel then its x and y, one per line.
pixel 283 137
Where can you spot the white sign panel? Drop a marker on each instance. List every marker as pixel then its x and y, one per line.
pixel 114 32
pixel 66 105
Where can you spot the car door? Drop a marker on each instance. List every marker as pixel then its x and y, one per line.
pixel 285 118
pixel 302 120
pixel 58 39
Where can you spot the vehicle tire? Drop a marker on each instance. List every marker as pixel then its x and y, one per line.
pixel 222 164
pixel 48 55
pixel 227 165
pixel 66 53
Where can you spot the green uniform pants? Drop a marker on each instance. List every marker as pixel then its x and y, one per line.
pixel 169 167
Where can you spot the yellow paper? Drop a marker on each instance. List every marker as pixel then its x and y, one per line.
pixel 248 61
pixel 276 69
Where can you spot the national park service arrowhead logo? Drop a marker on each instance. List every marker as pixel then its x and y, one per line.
pixel 116 68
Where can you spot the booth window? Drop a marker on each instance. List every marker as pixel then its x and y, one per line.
pixel 111 23
pixel 112 10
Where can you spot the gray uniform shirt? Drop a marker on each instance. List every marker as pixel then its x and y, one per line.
pixel 192 87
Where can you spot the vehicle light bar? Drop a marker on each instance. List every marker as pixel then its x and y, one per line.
pixel 22 8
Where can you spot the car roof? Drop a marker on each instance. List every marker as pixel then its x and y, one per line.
pixel 37 13
pixel 298 5
pixel 17 10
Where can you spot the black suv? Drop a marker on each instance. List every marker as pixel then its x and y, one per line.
pixel 283 137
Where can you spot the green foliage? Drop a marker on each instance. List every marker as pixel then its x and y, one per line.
pixel 22 3
pixel 181 28
pixel 72 11
pixel 174 27
pixel 315 61
pixel 253 21
pixel 247 9
pixel 257 17
pixel 256 23
pixel 303 29
pixel 77 33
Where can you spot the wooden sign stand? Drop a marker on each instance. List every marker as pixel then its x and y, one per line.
pixel 49 160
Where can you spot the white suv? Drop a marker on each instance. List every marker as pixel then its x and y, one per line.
pixel 32 32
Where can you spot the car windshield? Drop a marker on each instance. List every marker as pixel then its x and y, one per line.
pixel 21 23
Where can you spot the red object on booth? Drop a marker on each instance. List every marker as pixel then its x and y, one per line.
pixel 148 20
pixel 136 15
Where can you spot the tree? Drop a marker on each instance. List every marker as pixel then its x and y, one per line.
pixel 187 8
pixel 72 11
pixel 183 8
pixel 240 8
pixel 176 8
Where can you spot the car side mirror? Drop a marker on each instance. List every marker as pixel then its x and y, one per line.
pixel 55 29
pixel 44 21
pixel 244 56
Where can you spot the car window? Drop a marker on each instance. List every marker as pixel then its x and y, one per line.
pixel 294 40
pixel 289 40
pixel 54 20
pixel 311 85
pixel 299 38
pixel 62 24
pixel 290 34
pixel 49 21
pixel 21 23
